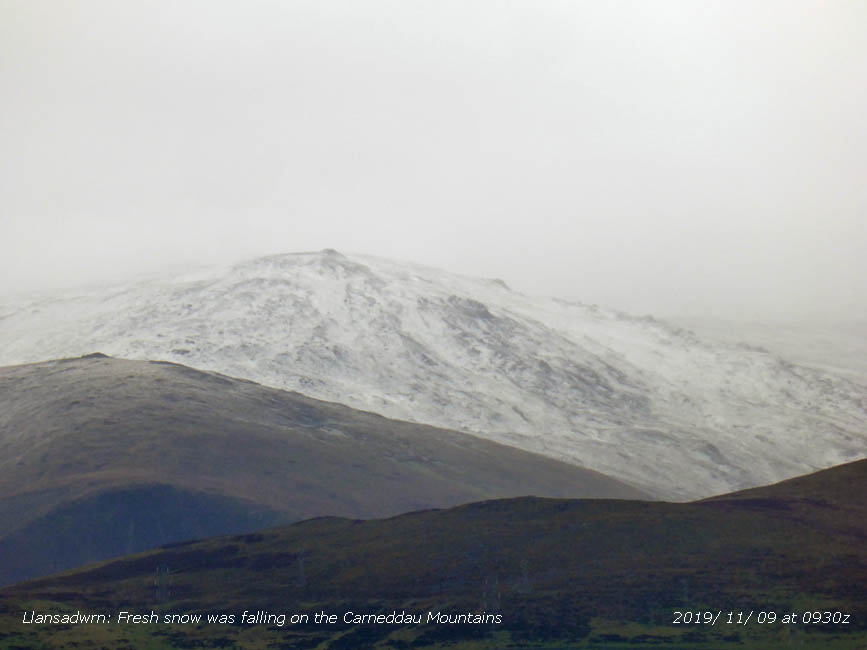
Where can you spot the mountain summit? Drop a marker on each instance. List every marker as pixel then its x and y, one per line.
pixel 632 397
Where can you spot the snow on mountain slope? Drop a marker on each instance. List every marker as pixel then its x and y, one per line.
pixel 631 397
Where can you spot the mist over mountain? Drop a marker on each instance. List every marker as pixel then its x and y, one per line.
pixel 839 348
pixel 632 397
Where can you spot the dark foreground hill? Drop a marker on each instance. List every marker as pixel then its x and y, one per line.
pixel 102 457
pixel 560 573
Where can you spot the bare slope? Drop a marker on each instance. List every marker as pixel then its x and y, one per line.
pixel 101 457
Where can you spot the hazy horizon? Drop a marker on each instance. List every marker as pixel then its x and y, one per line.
pixel 672 158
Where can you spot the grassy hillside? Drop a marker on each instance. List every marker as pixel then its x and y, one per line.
pixel 103 457
pixel 561 573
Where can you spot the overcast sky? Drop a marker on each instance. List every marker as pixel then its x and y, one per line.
pixel 695 157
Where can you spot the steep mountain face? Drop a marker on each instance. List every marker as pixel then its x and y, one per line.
pixel 100 457
pixel 631 397
pixel 557 577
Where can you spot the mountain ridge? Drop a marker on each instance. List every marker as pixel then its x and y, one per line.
pixel 103 456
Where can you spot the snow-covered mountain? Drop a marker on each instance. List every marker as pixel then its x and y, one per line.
pixel 632 397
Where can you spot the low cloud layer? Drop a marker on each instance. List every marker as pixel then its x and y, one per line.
pixel 667 157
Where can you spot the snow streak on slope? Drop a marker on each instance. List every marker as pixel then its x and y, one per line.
pixel 634 398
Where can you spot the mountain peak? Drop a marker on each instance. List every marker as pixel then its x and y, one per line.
pixel 636 398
